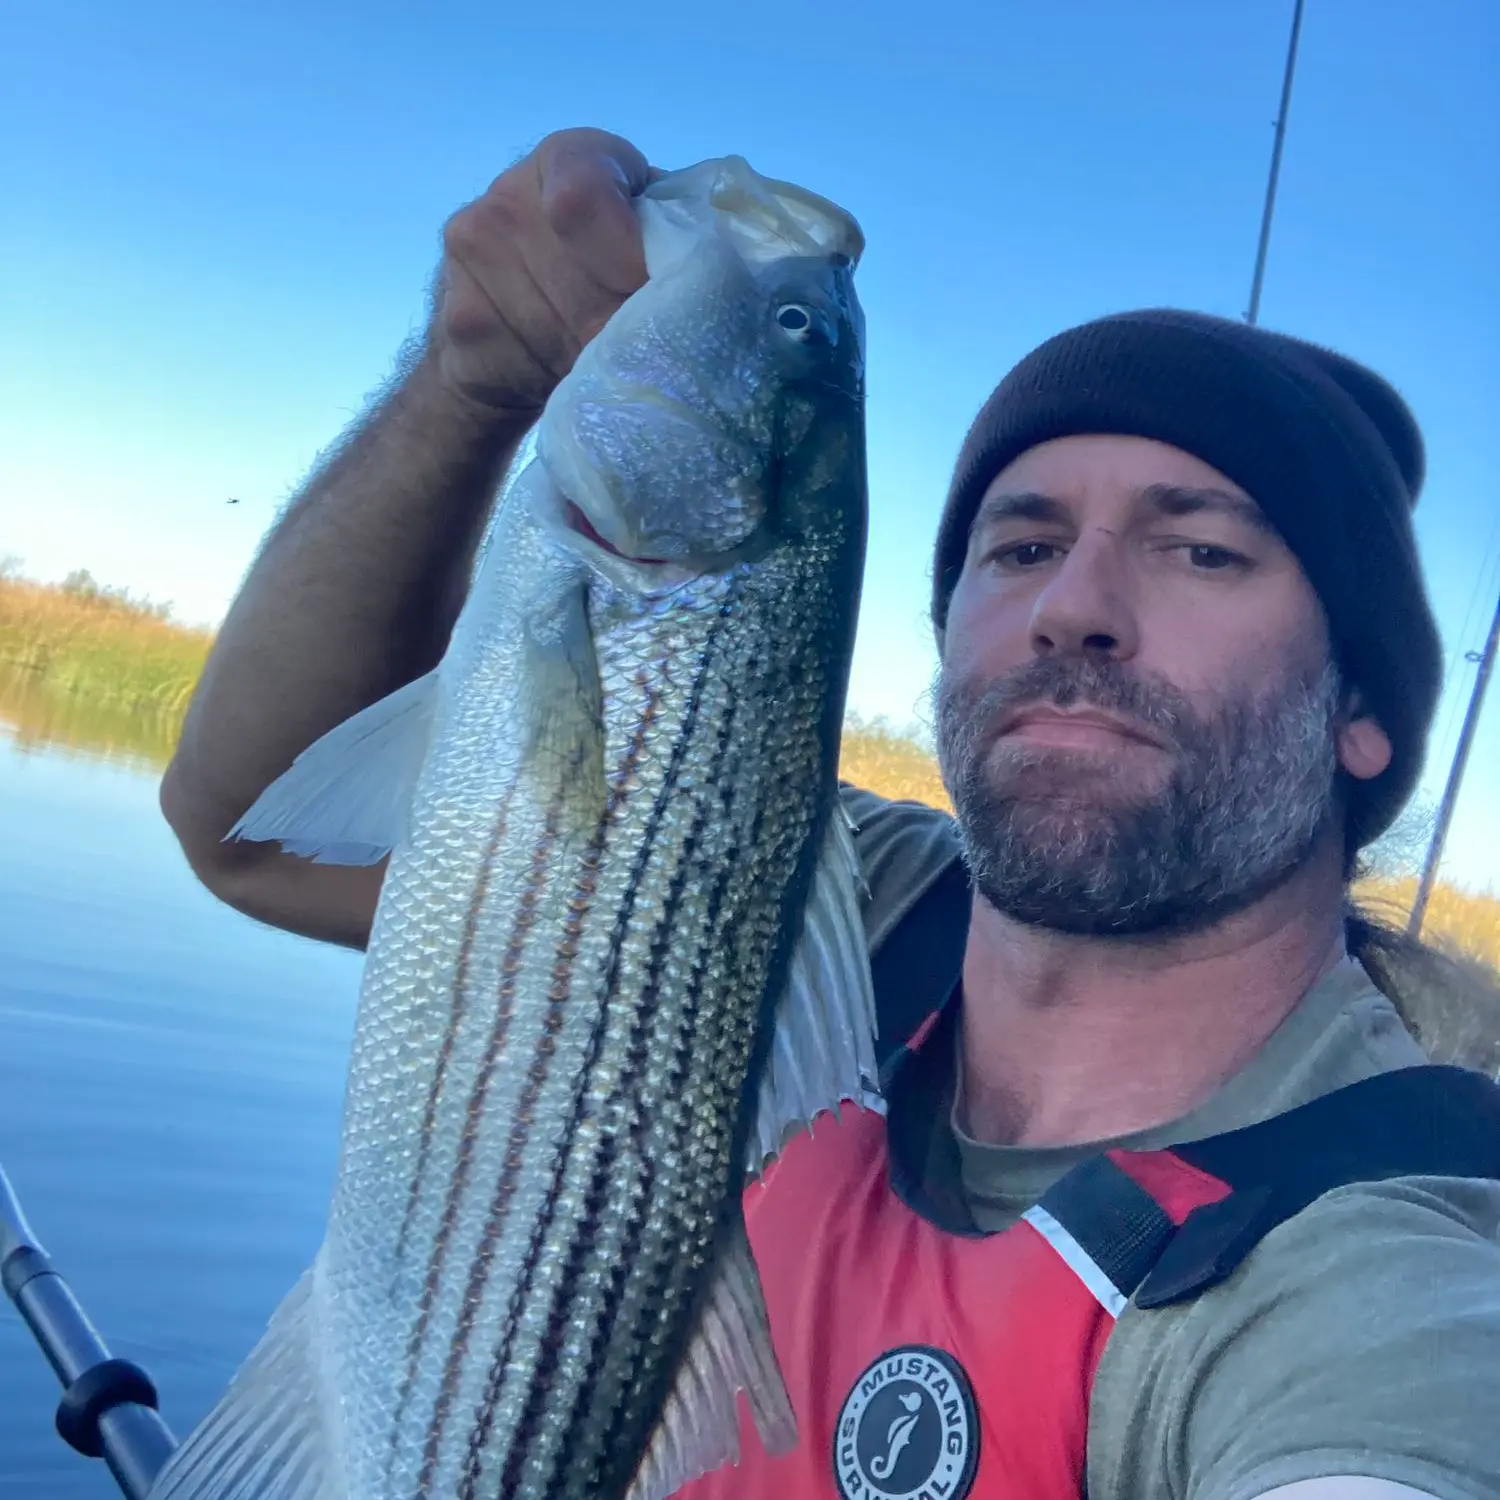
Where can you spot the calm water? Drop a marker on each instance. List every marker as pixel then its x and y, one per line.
pixel 170 1086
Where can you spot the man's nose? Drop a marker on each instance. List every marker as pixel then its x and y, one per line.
pixel 1086 608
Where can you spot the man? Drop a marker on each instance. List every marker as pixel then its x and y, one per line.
pixel 1188 668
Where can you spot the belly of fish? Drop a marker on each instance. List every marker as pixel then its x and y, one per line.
pixel 547 1115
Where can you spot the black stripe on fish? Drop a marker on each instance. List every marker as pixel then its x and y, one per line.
pixel 597 1197
pixel 557 998
pixel 484 1417
pixel 621 786
pixel 429 1113
pixel 654 1293
pixel 455 1015
pixel 509 969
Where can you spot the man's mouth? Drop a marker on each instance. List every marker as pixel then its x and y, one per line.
pixel 1084 729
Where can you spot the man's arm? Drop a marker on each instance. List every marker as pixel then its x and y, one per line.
pixel 353 594
pixel 357 587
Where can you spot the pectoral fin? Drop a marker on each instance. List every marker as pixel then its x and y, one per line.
pixel 730 1352
pixel 823 1048
pixel 346 799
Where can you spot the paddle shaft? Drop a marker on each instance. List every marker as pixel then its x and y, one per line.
pixel 108 1408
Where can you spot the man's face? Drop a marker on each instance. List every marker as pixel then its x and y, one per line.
pixel 1138 716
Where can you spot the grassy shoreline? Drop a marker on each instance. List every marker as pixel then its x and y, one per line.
pixel 96 670
pixel 82 639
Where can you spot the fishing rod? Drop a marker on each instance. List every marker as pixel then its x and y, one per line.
pixel 1268 213
pixel 108 1407
pixel 1486 660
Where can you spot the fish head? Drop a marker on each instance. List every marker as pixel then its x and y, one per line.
pixel 666 443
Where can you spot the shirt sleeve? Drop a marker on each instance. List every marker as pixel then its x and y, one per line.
pixel 1362 1337
pixel 903 847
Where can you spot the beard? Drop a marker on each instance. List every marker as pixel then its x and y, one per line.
pixel 1063 841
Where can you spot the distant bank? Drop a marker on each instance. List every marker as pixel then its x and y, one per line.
pixel 93 668
pixel 83 638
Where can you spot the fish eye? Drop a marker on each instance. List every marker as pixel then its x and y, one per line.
pixel 799 322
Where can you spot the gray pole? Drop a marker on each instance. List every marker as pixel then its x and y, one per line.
pixel 108 1408
pixel 1270 208
pixel 1455 778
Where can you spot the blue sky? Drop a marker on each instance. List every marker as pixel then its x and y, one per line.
pixel 219 222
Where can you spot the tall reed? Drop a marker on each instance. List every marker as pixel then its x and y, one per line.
pixel 82 639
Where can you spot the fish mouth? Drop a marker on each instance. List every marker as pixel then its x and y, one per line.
pixel 576 520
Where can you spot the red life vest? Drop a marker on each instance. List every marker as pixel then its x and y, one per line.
pixel 927 1361
pixel 921 1362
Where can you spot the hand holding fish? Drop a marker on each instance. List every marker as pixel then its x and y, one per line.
pixel 534 268
pixel 359 587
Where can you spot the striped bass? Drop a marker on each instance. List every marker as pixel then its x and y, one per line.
pixel 618 957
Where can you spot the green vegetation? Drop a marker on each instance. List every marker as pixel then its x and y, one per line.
pixel 94 668
pixel 37 714
pixel 80 639
pixel 891 763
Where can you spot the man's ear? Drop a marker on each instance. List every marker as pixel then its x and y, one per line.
pixel 1364 748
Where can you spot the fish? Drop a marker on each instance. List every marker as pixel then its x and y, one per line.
pixel 618 959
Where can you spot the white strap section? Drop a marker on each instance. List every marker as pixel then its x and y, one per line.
pixel 1080 1262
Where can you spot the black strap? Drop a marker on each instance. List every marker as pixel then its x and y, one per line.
pixel 926 1173
pixel 1423 1121
pixel 1116 1222
pixel 916 968
pixel 1415 1122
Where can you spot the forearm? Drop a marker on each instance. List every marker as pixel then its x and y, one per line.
pixel 358 586
pixel 354 593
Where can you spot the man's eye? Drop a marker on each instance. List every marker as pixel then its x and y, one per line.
pixel 1210 559
pixel 1025 554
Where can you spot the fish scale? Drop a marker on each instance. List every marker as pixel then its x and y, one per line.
pixel 687 1133
pixel 534 1280
pixel 622 815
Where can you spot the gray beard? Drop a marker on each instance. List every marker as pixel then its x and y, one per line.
pixel 1054 840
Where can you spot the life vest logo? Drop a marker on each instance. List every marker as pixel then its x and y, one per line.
pixel 908 1430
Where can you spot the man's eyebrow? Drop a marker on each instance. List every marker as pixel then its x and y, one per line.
pixel 1025 506
pixel 1184 500
pixel 1167 499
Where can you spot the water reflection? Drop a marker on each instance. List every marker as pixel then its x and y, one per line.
pixel 171 1077
pixel 39 715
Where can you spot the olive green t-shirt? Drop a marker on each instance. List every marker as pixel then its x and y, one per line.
pixel 1360 1337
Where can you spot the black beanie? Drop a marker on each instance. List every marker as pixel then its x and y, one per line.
pixel 1329 451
